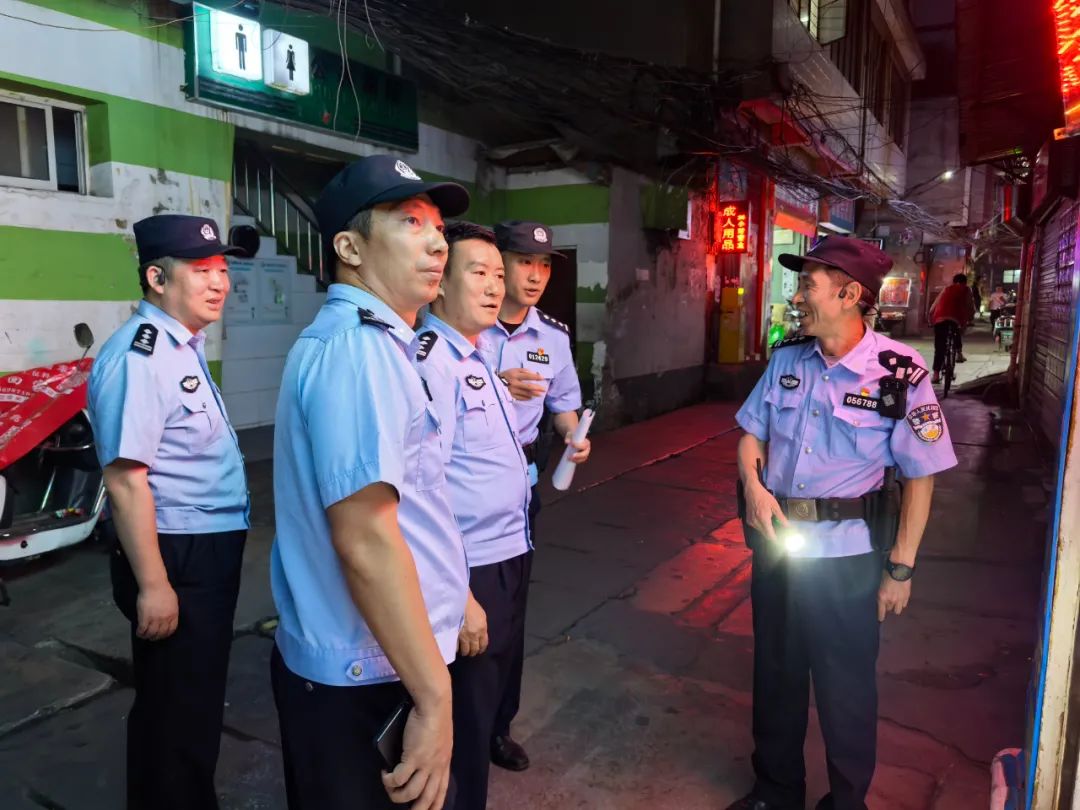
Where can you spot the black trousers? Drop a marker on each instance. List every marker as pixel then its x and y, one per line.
pixel 480 682
pixel 328 741
pixel 511 695
pixel 174 727
pixel 941 332
pixel 815 618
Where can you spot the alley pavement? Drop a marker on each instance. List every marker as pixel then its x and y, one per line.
pixel 985 357
pixel 638 677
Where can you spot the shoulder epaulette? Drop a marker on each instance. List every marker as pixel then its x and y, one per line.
pixel 369 318
pixel 145 338
pixel 552 322
pixel 426 341
pixel 913 372
pixel 797 340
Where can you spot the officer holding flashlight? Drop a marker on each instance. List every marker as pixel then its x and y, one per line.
pixel 837 412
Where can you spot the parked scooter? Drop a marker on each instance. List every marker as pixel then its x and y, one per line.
pixel 51 486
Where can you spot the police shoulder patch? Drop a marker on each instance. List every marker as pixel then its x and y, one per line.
pixel 798 340
pixel 369 318
pixel 552 322
pixel 145 338
pixel 425 340
pixel 926 422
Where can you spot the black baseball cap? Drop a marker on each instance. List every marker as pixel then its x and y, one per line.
pixel 379 179
pixel 524 237
pixel 179 236
pixel 861 260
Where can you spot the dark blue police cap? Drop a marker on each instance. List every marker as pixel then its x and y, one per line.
pixel 179 236
pixel 379 179
pixel 525 237
pixel 861 260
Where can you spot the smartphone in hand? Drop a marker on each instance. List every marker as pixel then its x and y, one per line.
pixel 390 741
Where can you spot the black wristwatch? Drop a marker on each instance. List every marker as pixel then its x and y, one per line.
pixel 899 571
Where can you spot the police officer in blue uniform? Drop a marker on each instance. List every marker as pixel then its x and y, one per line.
pixel 838 411
pixel 488 480
pixel 531 351
pixel 178 508
pixel 368 567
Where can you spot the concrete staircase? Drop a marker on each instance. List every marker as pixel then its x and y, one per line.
pixel 253 353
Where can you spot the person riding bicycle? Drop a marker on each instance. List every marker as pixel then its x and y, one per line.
pixel 953 310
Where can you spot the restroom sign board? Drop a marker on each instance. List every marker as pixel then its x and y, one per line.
pixel 286 64
pixel 235 45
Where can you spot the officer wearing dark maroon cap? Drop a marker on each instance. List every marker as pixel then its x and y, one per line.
pixel 839 413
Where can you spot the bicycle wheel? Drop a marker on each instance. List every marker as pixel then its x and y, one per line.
pixel 948 372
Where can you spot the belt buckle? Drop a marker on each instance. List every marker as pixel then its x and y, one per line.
pixel 802 509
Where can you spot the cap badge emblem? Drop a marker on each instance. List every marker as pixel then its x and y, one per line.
pixel 540 235
pixel 405 170
pixel 207 233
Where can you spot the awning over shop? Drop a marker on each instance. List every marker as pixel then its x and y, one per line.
pixel 837 214
pixel 796 209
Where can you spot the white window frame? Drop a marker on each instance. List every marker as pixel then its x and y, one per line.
pixel 48 105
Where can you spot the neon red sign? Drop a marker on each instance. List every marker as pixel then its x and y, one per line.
pixel 1067 25
pixel 731 227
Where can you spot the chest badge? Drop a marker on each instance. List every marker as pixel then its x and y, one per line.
pixel 789 381
pixel 539 356
pixel 190 384
pixel 474 382
pixel 862 400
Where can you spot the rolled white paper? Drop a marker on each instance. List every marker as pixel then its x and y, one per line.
pixel 564 473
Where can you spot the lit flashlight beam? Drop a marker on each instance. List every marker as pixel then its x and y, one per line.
pixel 793 541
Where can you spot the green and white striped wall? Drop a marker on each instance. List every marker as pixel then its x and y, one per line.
pixel 65 257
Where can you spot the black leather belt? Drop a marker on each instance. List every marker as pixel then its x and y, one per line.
pixel 815 509
pixel 530 452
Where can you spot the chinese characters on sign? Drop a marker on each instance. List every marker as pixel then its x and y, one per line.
pixel 1067 23
pixel 731 229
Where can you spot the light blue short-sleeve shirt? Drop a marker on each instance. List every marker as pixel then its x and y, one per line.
pixel 151 400
pixel 353 412
pixel 485 468
pixel 540 344
pixel 827 440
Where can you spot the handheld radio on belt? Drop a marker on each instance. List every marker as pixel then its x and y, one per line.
pixel 751 535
